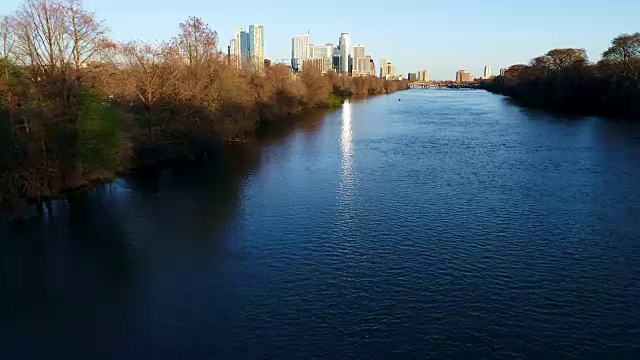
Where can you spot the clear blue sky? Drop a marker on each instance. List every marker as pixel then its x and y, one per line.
pixel 414 34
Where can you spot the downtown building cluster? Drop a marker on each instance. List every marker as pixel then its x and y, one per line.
pixel 247 49
pixel 341 58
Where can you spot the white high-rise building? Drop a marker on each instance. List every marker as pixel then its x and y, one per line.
pixel 233 52
pixel 487 72
pixel 344 53
pixel 424 75
pixel 299 50
pixel 235 48
pixel 361 66
pixel 387 70
pixel 383 68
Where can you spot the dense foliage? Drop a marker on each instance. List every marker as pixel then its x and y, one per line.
pixel 76 107
pixel 564 80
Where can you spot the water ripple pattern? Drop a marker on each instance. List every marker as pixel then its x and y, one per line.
pixel 423 224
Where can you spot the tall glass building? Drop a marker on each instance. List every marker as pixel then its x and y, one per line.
pixel 244 46
pixel 256 47
pixel 324 52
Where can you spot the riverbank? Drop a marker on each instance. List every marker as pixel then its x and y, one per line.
pixel 73 117
pixel 147 156
pixel 564 81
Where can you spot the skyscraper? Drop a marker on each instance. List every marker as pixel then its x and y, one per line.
pixel 344 53
pixel 387 69
pixel 234 57
pixel 256 47
pixel 244 46
pixel 383 68
pixel 360 61
pixel 391 71
pixel 336 59
pixel 358 51
pixel 234 48
pixel 323 52
pixel 487 72
pixel 424 75
pixel 299 50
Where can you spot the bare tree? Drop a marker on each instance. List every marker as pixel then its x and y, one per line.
pixel 41 35
pixel 197 42
pixel 198 59
pixel 87 35
pixel 7 41
pixel 151 76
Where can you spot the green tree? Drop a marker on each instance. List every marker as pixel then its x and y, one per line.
pixel 100 145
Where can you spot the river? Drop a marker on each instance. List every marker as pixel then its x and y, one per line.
pixel 427 223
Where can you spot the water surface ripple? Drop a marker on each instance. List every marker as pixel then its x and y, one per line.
pixel 450 224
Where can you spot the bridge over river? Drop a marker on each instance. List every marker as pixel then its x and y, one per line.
pixel 443 85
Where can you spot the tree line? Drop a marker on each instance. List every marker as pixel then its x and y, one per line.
pixel 564 80
pixel 77 107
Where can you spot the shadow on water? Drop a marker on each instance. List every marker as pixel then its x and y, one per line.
pixel 537 113
pixel 74 276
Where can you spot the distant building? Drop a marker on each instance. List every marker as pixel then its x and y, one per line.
pixel 267 63
pixel 383 69
pixel 361 63
pixel 487 72
pixel 387 70
pixel 319 64
pixel 323 52
pixel 238 49
pixel 503 71
pixel 300 46
pixel 336 59
pixel 391 72
pixel 233 53
pixel 424 75
pixel 463 76
pixel 256 47
pixel 372 67
pixel 412 77
pixel 244 46
pixel 344 45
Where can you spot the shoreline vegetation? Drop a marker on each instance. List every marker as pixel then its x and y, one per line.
pixel 77 108
pixel 563 80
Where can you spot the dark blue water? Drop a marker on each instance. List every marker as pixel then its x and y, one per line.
pixel 449 224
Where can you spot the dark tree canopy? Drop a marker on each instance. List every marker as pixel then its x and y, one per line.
pixel 625 50
pixel 564 80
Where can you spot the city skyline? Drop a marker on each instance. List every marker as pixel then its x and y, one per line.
pixel 514 37
pixel 247 46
